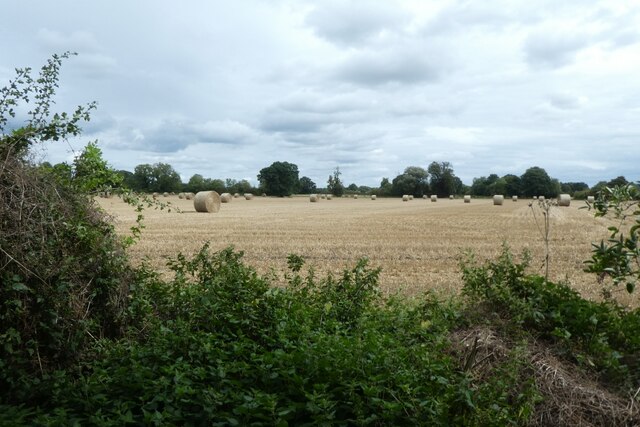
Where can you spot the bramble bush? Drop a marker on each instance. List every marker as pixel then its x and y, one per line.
pixel 219 345
pixel 601 336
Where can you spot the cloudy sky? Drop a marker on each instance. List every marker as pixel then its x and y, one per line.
pixel 225 88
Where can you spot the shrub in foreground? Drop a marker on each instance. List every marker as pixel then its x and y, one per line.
pixel 217 345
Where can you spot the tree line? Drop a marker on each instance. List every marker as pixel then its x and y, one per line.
pixel 282 179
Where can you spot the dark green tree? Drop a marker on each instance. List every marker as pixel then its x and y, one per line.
pixel 512 185
pixel 620 181
pixel 499 186
pixel 306 185
pixel 217 185
pixel 127 178
pixel 196 183
pixel 159 177
pixel 386 188
pixel 414 181
pixel 442 179
pixel 536 182
pixel 353 187
pixel 334 184
pixel 279 179
pixel 573 187
pixel 484 186
pixel 243 186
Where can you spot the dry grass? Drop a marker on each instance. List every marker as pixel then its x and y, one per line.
pixel 416 244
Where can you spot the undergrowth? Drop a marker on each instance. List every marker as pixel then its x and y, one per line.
pixel 218 345
pixel 601 337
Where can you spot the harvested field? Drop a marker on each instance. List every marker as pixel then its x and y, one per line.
pixel 417 244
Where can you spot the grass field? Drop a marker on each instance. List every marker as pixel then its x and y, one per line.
pixel 417 243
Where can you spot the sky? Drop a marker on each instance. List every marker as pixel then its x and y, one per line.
pixel 225 88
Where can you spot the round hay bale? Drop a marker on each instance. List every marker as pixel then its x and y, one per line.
pixel 514 198
pixel 155 195
pixel 424 196
pixel 564 200
pixel 236 195
pixel 591 199
pixel 498 199
pixel 410 197
pixel 467 199
pixel 206 201
pixel 434 198
pixel 226 197
pixel 373 197
pixel 165 194
pixel 264 194
pixel 405 197
pixel 329 196
pixel 451 197
pixel 535 197
pixel 248 196
pixel 313 198
pixel 541 198
pixel 173 193
pixel 189 196
pixel 355 196
pixel 323 196
pixel 180 195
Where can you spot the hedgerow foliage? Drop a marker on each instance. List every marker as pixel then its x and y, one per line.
pixel 218 345
pixel 600 336
pixel 63 271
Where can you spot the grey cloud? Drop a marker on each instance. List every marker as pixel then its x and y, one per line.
pixel 465 15
pixel 403 66
pixel 75 41
pixel 301 122
pixel 352 22
pixel 308 111
pixel 547 49
pixel 171 135
pixel 564 101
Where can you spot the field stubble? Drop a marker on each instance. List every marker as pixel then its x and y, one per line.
pixel 418 244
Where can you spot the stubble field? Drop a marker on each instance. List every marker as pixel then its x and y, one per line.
pixel 417 244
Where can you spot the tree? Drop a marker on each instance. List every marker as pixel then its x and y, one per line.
pixel 386 188
pixel 536 182
pixel 620 181
pixel 42 125
pixel 512 185
pixel 306 186
pixel 196 183
pixel 334 184
pixel 442 178
pixel 353 187
pixel 159 177
pixel 217 185
pixel 279 179
pixel 484 186
pixel 499 186
pixel 91 173
pixel 573 187
pixel 414 181
pixel 128 180
pixel 243 186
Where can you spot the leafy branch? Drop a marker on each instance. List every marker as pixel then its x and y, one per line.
pixel 619 256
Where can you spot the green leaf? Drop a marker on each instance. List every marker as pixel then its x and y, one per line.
pixel 20 287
